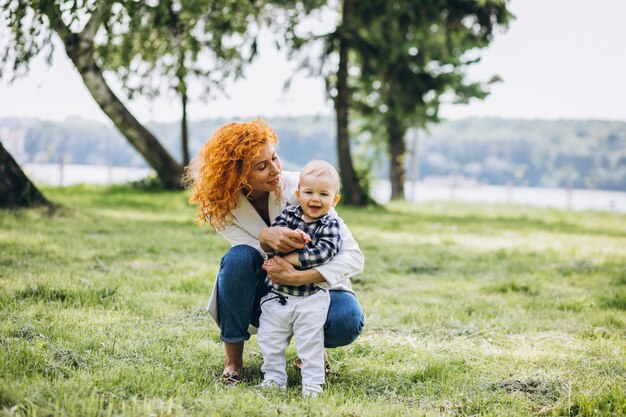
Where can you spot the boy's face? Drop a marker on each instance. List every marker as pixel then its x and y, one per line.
pixel 317 194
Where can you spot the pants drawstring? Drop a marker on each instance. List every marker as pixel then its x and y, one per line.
pixel 282 299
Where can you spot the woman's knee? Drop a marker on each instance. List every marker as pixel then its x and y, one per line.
pixel 242 254
pixel 345 321
pixel 242 258
pixel 240 283
pixel 240 266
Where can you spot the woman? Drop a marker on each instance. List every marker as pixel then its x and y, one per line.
pixel 239 189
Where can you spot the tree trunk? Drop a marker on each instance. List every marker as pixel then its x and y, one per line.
pixel 184 134
pixel 79 49
pixel 397 150
pixel 414 164
pixel 353 193
pixel 16 190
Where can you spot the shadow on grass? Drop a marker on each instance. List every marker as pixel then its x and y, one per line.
pixel 616 300
pixel 67 296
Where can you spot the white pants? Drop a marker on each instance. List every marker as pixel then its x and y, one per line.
pixel 302 317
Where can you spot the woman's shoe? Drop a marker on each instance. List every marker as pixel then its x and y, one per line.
pixel 230 379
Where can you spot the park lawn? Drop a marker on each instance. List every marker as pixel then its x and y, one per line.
pixel 470 310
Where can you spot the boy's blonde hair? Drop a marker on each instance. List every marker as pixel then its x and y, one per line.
pixel 318 168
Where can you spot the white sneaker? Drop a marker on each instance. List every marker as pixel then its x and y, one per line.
pixel 311 391
pixel 271 384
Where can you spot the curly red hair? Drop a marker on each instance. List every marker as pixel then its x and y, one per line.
pixel 220 171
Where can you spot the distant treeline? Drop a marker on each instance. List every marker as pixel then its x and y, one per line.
pixel 580 154
pixel 562 153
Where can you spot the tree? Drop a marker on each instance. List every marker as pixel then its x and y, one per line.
pixel 405 58
pixel 410 58
pixel 91 31
pixel 77 25
pixel 354 193
pixel 332 64
pixel 16 190
pixel 177 42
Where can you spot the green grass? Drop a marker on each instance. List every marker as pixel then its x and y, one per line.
pixel 475 310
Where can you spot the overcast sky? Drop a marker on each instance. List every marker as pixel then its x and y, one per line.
pixel 559 59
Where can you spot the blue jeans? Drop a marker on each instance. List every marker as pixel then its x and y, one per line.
pixel 241 285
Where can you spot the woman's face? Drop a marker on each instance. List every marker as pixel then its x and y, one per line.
pixel 265 172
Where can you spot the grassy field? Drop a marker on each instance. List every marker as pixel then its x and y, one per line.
pixel 472 310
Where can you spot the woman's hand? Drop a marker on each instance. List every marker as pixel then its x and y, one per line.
pixel 281 272
pixel 282 239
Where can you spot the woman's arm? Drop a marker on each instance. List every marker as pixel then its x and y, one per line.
pixel 281 239
pixel 271 239
pixel 293 258
pixel 283 273
pixel 347 263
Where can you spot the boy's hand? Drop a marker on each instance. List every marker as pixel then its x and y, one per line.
pixel 304 236
pixel 283 273
pixel 269 263
pixel 279 271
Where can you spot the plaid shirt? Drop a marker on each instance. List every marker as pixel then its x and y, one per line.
pixel 325 243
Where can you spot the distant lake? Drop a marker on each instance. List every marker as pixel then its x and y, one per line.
pixel 71 174
pixel 426 191
pixel 573 199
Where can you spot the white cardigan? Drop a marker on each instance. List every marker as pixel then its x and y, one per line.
pixel 246 228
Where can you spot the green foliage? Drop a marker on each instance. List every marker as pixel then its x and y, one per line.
pixel 175 42
pixel 470 310
pixel 408 59
pixel 29 33
pixel 139 40
pixel 32 26
pixel 147 44
pixel 403 60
